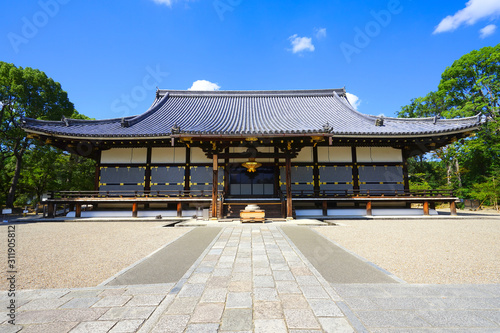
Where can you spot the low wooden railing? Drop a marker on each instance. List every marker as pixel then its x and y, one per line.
pixel 371 193
pixel 129 194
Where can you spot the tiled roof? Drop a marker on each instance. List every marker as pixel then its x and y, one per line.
pixel 237 113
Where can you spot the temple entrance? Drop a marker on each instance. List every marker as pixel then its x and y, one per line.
pixel 251 184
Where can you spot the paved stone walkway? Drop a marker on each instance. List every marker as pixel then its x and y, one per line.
pixel 252 278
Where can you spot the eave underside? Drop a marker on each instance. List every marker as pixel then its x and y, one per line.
pixel 412 146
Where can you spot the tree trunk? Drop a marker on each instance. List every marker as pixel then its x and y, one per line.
pixel 11 196
pixel 448 174
pixel 459 178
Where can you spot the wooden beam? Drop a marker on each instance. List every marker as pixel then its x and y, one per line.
pixel 289 209
pixel 147 172
pixel 406 178
pixel 453 208
pixel 355 171
pixel 215 180
pixel 78 211
pixel 368 208
pixel 277 174
pixel 315 171
pixel 226 172
pixel 134 209
pixel 187 170
pixel 179 209
pixel 426 207
pixel 50 212
pixel 97 173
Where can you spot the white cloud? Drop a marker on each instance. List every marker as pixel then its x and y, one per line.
pixel 474 11
pixel 354 100
pixel 164 2
pixel 487 31
pixel 204 85
pixel 320 33
pixel 300 44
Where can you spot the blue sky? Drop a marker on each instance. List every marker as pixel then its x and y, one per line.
pixel 110 55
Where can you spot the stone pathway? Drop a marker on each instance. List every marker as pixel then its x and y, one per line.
pixel 252 279
pixel 103 309
pixel 422 308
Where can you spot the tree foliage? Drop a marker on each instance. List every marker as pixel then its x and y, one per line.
pixel 470 86
pixel 28 167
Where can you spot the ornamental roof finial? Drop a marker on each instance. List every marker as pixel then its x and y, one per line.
pixel 176 129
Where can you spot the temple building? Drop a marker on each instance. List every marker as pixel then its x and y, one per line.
pixel 294 153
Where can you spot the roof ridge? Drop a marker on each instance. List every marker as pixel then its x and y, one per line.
pixel 253 93
pixel 74 121
pixel 432 119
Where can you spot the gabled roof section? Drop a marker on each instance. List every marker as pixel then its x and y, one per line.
pixel 256 113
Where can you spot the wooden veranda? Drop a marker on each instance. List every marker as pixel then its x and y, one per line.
pixel 76 199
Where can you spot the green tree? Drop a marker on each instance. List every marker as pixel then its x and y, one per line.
pixel 49 169
pixel 25 92
pixel 488 190
pixel 470 86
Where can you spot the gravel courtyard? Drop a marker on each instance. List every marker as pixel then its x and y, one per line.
pixel 426 251
pixel 81 254
pixel 84 254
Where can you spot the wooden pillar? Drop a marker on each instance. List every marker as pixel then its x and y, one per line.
pixel 289 209
pixel 325 208
pixel 78 211
pixel 277 187
pixel 426 207
pixel 97 172
pixel 406 180
pixel 187 170
pixel 226 171
pixel 50 210
pixel 215 180
pixel 97 176
pixel 134 209
pixel 315 171
pixel 179 209
pixel 369 208
pixel 355 171
pixel 147 172
pixel 453 208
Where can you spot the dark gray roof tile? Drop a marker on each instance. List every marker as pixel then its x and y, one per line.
pixel 250 113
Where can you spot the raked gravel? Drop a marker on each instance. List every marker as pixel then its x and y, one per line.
pixel 84 254
pixel 80 254
pixel 426 251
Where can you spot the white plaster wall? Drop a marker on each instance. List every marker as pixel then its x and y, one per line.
pixel 237 149
pixel 124 155
pixel 198 156
pixel 378 154
pixel 168 155
pixel 305 155
pixel 334 154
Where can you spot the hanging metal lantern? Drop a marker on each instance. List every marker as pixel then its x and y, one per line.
pixel 251 165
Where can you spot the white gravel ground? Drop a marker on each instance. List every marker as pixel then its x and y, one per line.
pixel 80 254
pixel 426 251
pixel 84 254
